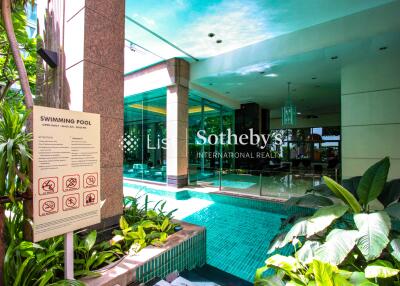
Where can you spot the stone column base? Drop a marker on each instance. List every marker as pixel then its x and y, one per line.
pixel 177 181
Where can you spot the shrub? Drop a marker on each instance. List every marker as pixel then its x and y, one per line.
pixel 343 244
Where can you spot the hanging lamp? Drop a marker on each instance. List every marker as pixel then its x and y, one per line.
pixel 289 112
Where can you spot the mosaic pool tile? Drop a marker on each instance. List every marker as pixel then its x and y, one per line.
pixel 237 238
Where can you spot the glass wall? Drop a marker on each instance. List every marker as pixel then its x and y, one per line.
pixel 145 132
pixel 213 118
pixel 144 136
pixel 317 147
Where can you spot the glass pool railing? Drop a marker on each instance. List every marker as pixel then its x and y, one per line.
pixel 270 183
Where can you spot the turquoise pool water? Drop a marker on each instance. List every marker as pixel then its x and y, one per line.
pixel 237 237
pixel 239 230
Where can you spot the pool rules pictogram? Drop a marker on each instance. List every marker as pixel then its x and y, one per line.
pixel 71 183
pixel 90 180
pixel 71 201
pixel 66 171
pixel 90 198
pixel 48 185
pixel 48 206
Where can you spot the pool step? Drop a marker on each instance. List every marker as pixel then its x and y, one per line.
pixel 203 276
pixel 210 276
pixel 180 281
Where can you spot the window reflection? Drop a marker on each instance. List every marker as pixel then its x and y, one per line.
pixel 144 137
pixel 317 147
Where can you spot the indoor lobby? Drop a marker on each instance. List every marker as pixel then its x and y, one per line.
pixel 339 85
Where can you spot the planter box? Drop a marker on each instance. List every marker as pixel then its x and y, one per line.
pixel 185 249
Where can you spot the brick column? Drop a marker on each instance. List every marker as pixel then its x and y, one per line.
pixel 177 124
pixel 89 37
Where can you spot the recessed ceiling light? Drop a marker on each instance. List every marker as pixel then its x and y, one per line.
pixel 271 75
pixel 382 48
pixel 218 41
pixel 298 113
pixel 334 58
pixel 211 35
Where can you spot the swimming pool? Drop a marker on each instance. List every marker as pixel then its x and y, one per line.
pixel 239 230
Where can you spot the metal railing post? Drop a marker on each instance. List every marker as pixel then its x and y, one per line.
pixel 220 179
pixel 260 183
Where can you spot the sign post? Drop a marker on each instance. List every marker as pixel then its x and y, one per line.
pixel 69 255
pixel 66 175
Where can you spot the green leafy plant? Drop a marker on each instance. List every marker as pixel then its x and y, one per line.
pixel 148 231
pixel 292 271
pixel 365 193
pixel 14 150
pixel 27 263
pixel 141 225
pixel 90 256
pixel 350 237
pixel 14 163
pixel 135 212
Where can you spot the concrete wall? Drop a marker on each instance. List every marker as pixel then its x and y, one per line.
pixel 323 120
pixel 371 113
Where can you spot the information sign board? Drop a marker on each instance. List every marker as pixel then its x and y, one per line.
pixel 66 171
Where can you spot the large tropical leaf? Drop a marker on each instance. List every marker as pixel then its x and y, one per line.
pixel 286 263
pixel 377 271
pixel 337 246
pixel 358 279
pixel 323 273
pixel 394 210
pixel 343 194
pixel 324 217
pixel 339 280
pixel 351 184
pixel 270 281
pixel 260 280
pixel 395 248
pixel 276 243
pixel 391 192
pixel 309 200
pixel 375 205
pixel 321 219
pixel 374 230
pixel 307 252
pixel 373 181
pixel 298 229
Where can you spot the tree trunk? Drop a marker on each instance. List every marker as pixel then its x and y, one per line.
pixel 6 14
pixel 7 88
pixel 2 243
